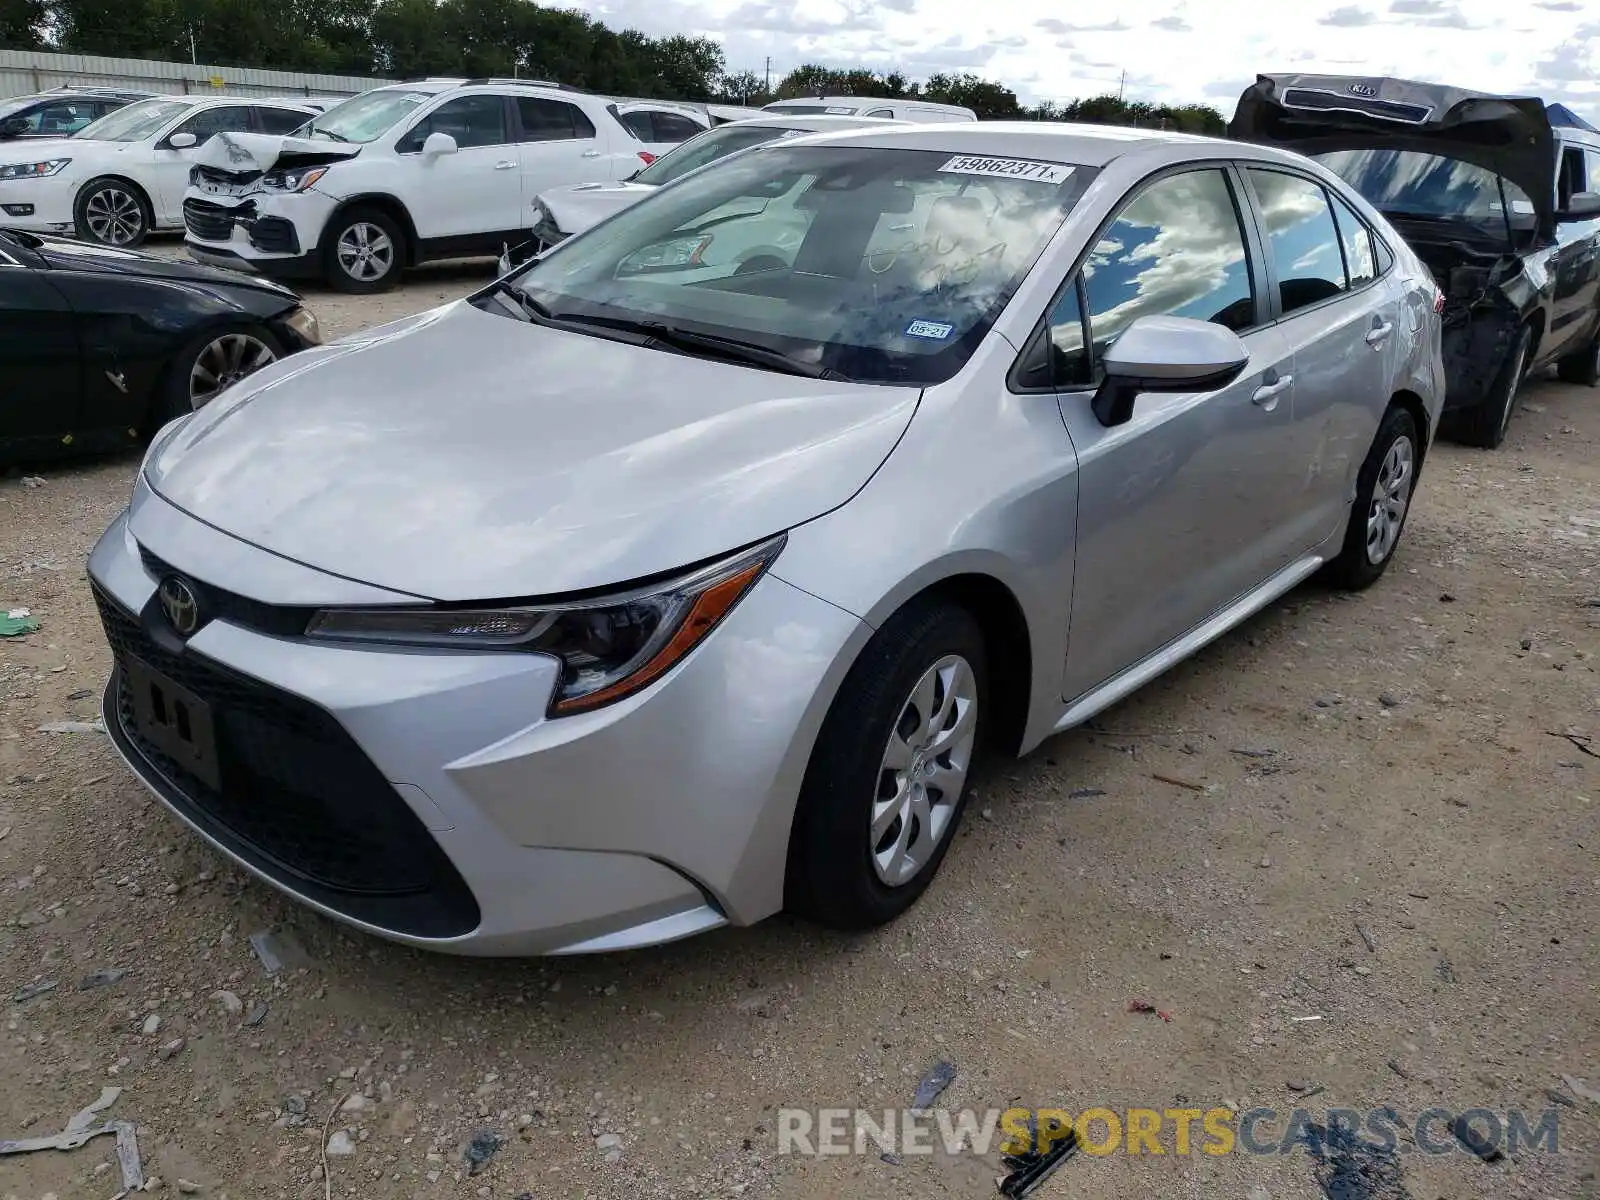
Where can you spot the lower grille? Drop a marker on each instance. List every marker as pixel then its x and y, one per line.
pixel 212 222
pixel 298 801
pixel 274 235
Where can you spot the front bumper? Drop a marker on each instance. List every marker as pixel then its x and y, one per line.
pixel 38 205
pixel 272 234
pixel 424 797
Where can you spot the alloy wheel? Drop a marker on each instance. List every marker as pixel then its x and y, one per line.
pixel 1391 494
pixel 224 362
pixel 923 770
pixel 365 252
pixel 114 216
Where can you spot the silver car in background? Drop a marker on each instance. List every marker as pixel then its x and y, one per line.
pixel 630 596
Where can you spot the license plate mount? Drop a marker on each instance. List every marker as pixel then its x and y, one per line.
pixel 174 720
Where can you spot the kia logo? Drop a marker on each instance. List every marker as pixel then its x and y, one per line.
pixel 1363 89
pixel 181 605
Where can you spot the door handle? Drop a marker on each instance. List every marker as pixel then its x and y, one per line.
pixel 1380 333
pixel 1267 394
pixel 591 154
pixel 504 166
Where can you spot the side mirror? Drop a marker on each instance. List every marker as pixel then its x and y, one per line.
pixel 1583 206
pixel 1166 354
pixel 15 127
pixel 436 144
pixel 181 141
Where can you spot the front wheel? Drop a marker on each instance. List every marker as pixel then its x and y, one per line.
pixel 213 362
pixel 364 252
pixel 887 781
pixel 1383 501
pixel 112 212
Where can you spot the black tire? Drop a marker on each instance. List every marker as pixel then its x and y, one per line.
pixel 1581 366
pixel 176 397
pixel 1355 567
pixel 1485 426
pixel 112 212
pixel 832 877
pixel 345 226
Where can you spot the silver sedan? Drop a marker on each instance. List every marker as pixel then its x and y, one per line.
pixel 656 587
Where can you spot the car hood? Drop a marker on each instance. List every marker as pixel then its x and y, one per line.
pixel 256 153
pixel 1315 114
pixel 462 455
pixel 576 208
pixel 38 149
pixel 66 255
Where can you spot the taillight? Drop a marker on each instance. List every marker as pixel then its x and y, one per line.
pixel 1438 299
pixel 647 157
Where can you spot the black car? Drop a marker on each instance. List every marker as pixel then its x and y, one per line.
pixel 100 347
pixel 1502 204
pixel 60 113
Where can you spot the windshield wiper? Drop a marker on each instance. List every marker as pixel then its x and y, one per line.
pixel 328 133
pixel 734 349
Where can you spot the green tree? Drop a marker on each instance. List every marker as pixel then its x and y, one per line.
pixel 687 68
pixel 991 101
pixel 412 38
pixel 743 87
pixel 21 24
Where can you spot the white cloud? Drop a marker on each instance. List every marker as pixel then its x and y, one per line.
pixel 1171 51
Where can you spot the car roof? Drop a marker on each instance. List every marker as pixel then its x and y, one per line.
pixel 815 122
pixel 1053 141
pixel 904 101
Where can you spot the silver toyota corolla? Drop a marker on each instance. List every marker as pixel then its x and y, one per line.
pixel 655 588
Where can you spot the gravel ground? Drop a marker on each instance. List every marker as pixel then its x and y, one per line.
pixel 1374 825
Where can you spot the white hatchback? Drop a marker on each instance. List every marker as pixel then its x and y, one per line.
pixel 124 175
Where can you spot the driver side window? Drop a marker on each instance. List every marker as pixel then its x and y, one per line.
pixel 1177 249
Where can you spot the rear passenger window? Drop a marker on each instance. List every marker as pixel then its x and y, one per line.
pixel 552 120
pixel 881 112
pixel 280 120
pixel 1301 238
pixel 1359 260
pixel 670 127
pixel 637 123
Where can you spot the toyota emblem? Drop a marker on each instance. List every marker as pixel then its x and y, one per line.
pixel 181 605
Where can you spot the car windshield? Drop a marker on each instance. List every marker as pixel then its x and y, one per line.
pixel 1409 183
pixel 884 266
pixel 133 123
pixel 366 117
pixel 708 147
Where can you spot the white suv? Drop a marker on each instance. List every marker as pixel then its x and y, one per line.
pixel 124 175
pixel 399 175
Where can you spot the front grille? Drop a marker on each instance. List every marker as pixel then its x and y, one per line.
pixel 278 620
pixel 225 182
pixel 298 801
pixel 1412 114
pixel 274 235
pixel 212 222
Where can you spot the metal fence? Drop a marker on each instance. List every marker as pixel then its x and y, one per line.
pixel 25 71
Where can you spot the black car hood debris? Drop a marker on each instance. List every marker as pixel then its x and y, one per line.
pixel 1318 114
pixel 65 255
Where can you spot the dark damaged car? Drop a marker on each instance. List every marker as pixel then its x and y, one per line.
pixel 1502 205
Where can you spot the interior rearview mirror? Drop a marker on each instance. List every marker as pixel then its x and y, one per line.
pixel 1583 206
pixel 1165 354
pixel 181 141
pixel 438 143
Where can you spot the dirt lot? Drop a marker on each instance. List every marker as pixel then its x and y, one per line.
pixel 1375 824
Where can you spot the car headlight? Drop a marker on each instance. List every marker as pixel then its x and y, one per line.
pixel 668 256
pixel 609 647
pixel 33 170
pixel 304 322
pixel 292 179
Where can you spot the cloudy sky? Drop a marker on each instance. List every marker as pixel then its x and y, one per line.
pixel 1172 50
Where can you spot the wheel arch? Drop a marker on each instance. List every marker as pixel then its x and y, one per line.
pixel 127 181
pixel 390 205
pixel 1412 403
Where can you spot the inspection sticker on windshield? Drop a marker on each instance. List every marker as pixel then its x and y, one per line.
pixel 1008 168
pixel 929 329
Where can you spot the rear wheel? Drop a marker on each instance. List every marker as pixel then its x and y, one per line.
pixel 1486 425
pixel 112 212
pixel 887 782
pixel 1382 503
pixel 364 251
